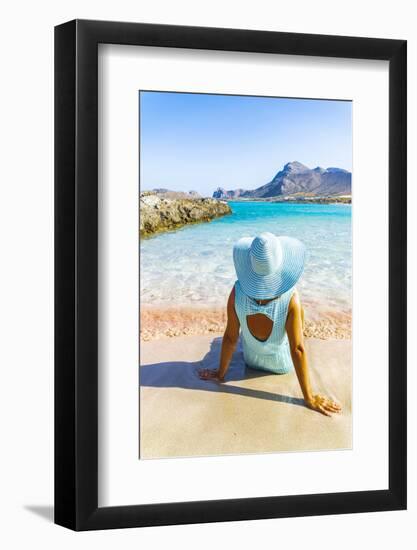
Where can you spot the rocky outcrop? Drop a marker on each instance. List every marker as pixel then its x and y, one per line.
pixel 158 213
pixel 297 179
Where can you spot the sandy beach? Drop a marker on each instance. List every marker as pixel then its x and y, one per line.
pixel 251 412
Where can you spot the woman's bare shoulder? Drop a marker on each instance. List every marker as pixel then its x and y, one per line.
pixel 231 299
pixel 295 302
pixel 232 294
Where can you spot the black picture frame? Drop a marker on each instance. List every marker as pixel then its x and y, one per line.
pixel 76 273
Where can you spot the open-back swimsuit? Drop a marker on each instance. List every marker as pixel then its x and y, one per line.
pixel 272 354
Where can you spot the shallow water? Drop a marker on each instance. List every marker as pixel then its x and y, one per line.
pixel 193 266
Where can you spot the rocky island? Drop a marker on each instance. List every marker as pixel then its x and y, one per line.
pixel 163 211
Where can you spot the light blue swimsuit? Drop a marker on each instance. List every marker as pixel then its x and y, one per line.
pixel 273 354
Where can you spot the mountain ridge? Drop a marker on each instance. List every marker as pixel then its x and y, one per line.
pixel 297 179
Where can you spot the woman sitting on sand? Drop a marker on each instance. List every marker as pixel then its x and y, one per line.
pixel 265 306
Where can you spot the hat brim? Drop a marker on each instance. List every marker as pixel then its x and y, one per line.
pixel 272 285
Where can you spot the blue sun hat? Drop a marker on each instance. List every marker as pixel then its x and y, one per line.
pixel 267 265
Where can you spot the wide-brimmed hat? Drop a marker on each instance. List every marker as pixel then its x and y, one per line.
pixel 267 265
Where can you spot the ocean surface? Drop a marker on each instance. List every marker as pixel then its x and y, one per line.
pixel 193 266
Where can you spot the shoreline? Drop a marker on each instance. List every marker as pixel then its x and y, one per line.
pixel 158 322
pixel 332 200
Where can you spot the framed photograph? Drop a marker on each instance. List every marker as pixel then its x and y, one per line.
pixel 230 284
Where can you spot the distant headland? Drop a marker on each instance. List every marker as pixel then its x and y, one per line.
pixel 298 183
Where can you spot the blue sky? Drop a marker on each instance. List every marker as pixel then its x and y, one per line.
pixel 201 141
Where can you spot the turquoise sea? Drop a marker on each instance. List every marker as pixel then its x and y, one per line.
pixel 193 266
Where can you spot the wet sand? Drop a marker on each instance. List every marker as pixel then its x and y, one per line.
pixel 157 322
pixel 251 412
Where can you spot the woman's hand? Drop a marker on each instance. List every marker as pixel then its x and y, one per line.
pixel 323 404
pixel 209 374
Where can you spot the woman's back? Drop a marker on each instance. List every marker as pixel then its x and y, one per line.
pixel 264 338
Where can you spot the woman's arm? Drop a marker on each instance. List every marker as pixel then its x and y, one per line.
pixel 294 327
pixel 230 338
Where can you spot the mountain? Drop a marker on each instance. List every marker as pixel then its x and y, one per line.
pixel 297 179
